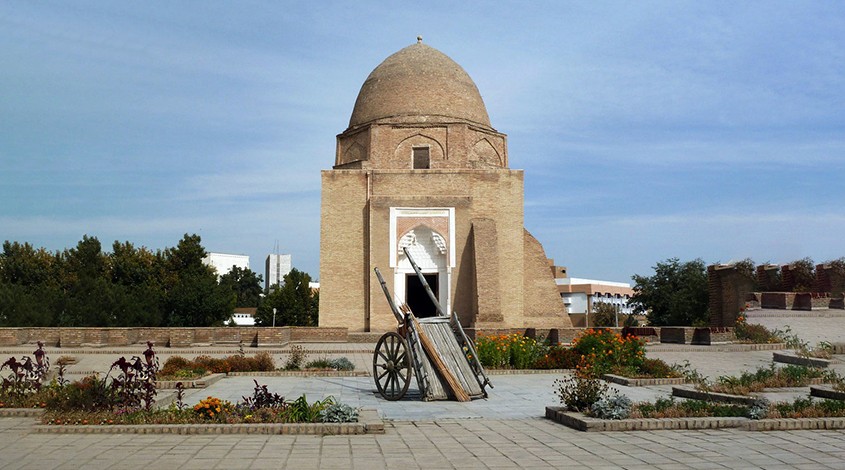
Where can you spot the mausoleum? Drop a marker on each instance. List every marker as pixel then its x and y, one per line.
pixel 420 166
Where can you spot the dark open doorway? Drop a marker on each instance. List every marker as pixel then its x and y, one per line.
pixel 416 296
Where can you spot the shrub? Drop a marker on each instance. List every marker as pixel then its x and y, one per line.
pixel 174 364
pixel 579 392
pixel 179 367
pixel 617 407
pixel 603 350
pixel 342 363
pixel 88 394
pixel 339 413
pixel 215 365
pixel 656 368
pixel 558 357
pixel 296 359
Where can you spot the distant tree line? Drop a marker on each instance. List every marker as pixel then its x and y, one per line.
pixel 129 286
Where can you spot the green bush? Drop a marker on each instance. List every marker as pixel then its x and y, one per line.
pixel 579 393
pixel 602 351
pixel 558 357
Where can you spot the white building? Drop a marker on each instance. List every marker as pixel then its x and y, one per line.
pixel 244 316
pixel 276 267
pixel 581 295
pixel 223 262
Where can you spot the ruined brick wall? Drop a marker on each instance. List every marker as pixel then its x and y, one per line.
pixel 787 279
pixel 543 305
pixel 728 288
pixel 829 280
pixel 768 277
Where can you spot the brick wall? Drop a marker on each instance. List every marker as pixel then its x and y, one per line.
pixel 728 288
pixel 768 277
pixel 787 279
pixel 169 337
pixel 542 303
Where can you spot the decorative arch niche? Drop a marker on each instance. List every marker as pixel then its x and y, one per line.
pixel 485 155
pixel 403 155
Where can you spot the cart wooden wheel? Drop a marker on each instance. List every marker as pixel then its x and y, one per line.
pixel 392 366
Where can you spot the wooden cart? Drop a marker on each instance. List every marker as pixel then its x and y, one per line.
pixel 435 350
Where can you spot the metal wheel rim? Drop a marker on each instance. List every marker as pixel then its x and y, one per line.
pixel 392 366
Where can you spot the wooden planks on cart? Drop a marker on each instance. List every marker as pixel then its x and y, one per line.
pixel 440 332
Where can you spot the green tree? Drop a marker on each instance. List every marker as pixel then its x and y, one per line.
pixel 137 280
pixel 193 296
pixel 88 294
pixel 246 285
pixel 295 303
pixel 803 274
pixel 23 265
pixel 29 287
pixel 604 314
pixel 675 295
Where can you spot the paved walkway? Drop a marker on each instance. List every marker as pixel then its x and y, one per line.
pixel 458 444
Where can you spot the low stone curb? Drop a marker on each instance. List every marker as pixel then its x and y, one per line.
pixel 797 314
pixel 525 371
pixel 690 392
pixel 642 382
pixel 790 358
pixel 827 392
pixel 303 373
pixel 729 347
pixel 17 412
pixel 584 423
pixel 369 422
pixel 794 424
pixel 201 382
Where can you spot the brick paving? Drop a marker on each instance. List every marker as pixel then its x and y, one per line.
pixel 447 443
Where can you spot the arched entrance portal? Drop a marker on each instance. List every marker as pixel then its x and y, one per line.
pixel 428 248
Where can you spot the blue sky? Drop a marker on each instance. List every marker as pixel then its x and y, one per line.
pixel 647 130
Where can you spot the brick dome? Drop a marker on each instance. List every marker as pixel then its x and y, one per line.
pixel 419 84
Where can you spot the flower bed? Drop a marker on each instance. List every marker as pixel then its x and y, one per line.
pixel 178 368
pixel 126 394
pixel 594 352
pixel 771 377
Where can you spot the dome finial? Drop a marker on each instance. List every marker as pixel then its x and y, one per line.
pixel 419 39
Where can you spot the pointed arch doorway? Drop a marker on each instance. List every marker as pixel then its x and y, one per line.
pixel 426 235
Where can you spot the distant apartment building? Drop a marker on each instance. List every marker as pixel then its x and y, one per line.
pixel 580 296
pixel 223 262
pixel 276 267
